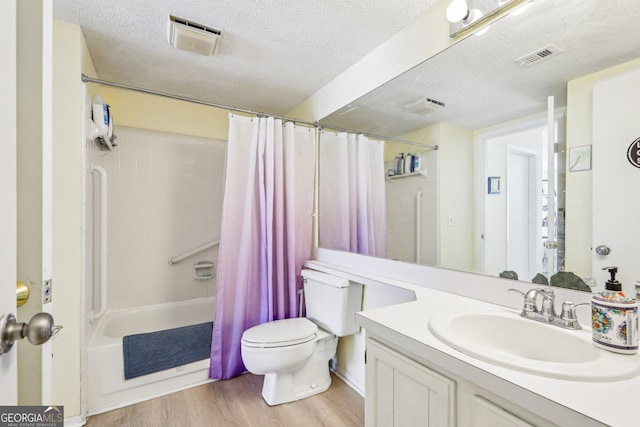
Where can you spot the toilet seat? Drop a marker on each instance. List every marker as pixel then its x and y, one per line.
pixel 280 333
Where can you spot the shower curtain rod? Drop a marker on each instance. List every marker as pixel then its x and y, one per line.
pixel 384 138
pixel 87 79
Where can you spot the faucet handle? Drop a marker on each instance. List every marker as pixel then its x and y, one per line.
pixel 548 310
pixel 568 315
pixel 529 309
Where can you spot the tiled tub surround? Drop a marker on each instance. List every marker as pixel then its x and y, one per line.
pixel 404 327
pixel 164 198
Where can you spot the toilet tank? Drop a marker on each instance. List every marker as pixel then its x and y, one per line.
pixel 332 302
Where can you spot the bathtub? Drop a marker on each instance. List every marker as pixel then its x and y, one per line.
pixel 107 388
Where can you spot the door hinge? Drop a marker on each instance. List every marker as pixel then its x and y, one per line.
pixel 365 356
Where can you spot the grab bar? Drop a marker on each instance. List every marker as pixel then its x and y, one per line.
pixel 103 242
pixel 176 259
pixel 418 225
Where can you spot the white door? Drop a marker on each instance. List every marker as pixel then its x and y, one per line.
pixel 25 190
pixel 521 213
pixel 616 179
pixel 8 362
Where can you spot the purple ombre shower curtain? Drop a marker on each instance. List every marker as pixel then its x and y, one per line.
pixel 266 231
pixel 353 212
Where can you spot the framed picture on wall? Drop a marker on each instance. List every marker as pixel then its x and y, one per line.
pixel 493 185
pixel 580 158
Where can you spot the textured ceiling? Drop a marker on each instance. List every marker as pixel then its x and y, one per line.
pixel 479 80
pixel 272 56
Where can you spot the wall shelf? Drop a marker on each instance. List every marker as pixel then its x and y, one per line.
pixel 422 173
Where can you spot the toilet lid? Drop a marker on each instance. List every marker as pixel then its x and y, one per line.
pixel 280 333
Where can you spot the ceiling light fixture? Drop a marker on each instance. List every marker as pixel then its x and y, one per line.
pixel 466 16
pixel 192 37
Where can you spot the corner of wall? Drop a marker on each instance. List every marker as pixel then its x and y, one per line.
pixel 392 58
pixel 68 43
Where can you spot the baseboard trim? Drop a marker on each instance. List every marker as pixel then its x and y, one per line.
pixel 344 376
pixel 77 421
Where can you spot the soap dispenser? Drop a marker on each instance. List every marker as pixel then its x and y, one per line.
pixel 614 318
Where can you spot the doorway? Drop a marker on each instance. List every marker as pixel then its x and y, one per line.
pixel 509 220
pixel 522 210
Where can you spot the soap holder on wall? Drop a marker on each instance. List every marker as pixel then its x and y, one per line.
pixel 203 270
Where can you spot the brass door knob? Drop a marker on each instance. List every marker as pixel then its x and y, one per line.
pixel 22 294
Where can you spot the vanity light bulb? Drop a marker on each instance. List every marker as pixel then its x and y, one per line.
pixel 457 11
pixel 520 9
pixel 482 31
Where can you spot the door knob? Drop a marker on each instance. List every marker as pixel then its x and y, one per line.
pixel 603 250
pixel 38 331
pixel 22 294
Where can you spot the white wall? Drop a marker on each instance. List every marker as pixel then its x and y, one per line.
pixel 164 199
pixel 496 204
pixel 578 203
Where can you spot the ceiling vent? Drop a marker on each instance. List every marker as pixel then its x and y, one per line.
pixel 539 55
pixel 192 37
pixel 424 106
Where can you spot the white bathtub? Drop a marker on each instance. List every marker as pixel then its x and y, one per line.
pixel 107 387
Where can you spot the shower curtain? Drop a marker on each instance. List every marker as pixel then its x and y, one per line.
pixel 266 231
pixel 352 204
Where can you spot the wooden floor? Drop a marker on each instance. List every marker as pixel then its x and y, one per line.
pixel 238 402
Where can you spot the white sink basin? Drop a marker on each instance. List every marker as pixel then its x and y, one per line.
pixel 504 338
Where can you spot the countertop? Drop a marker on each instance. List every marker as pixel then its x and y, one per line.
pixel 564 402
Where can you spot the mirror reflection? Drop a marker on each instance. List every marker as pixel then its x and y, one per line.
pixel 481 201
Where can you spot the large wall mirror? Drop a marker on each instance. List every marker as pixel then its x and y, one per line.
pixel 488 116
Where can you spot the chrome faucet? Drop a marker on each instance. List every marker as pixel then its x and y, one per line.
pixel 547 312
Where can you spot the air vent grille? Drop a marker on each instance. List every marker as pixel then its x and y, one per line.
pixel 194 25
pixel 539 55
pixel 192 37
pixel 424 106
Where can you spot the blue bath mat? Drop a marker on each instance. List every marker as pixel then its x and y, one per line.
pixel 156 351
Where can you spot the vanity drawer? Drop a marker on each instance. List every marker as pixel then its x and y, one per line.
pixel 487 414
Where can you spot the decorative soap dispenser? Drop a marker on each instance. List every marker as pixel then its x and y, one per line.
pixel 614 318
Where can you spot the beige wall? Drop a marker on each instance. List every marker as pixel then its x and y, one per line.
pixel 70 59
pixel 140 110
pixel 578 203
pixel 456 156
pixel 455 190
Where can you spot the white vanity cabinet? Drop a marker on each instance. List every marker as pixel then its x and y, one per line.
pixel 486 414
pixel 400 392
pixel 403 392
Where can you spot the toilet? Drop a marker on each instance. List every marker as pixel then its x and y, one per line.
pixel 294 354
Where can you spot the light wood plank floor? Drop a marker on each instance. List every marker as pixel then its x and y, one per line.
pixel 238 402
